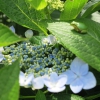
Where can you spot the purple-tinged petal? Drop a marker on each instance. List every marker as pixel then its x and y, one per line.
pixel 56 89
pixel 70 76
pixel 88 80
pixel 37 83
pixel 76 86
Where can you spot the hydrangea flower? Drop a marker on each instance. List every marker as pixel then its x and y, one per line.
pixel 24 80
pixel 79 77
pixel 49 40
pixel 12 29
pixel 29 33
pixel 37 83
pixel 1 55
pixel 55 83
pixel 29 81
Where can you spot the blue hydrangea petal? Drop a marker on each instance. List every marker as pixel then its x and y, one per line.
pixel 53 77
pixel 37 83
pixel 28 80
pixel 70 76
pixel 12 29
pixel 76 86
pixel 84 69
pixel 76 65
pixel 89 81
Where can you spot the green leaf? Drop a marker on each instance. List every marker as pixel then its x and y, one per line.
pixel 37 4
pixel 62 96
pixel 7 37
pixel 93 28
pixel 37 39
pixel 85 46
pixel 91 9
pixel 9 84
pixel 96 74
pixel 93 96
pixel 72 8
pixel 88 5
pixel 40 95
pixel 22 13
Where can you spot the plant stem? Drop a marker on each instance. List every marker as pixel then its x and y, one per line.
pixel 92 97
pixel 45 91
pixel 22 97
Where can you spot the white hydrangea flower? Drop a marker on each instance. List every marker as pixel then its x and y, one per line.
pixel 37 83
pixel 45 41
pixel 79 77
pixel 12 29
pixel 55 83
pixel 24 80
pixel 29 81
pixel 49 40
pixel 1 55
pixel 29 33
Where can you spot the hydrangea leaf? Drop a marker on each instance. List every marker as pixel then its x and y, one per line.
pixel 91 9
pixel 9 84
pixel 93 28
pixel 22 13
pixel 97 75
pixel 38 4
pixel 40 95
pixel 88 5
pixel 7 37
pixel 62 96
pixel 72 8
pixel 37 39
pixel 85 46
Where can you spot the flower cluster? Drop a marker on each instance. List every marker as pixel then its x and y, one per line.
pixel 39 59
pixel 77 76
pixel 56 4
pixel 48 65
pixel 29 81
pixel 54 82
